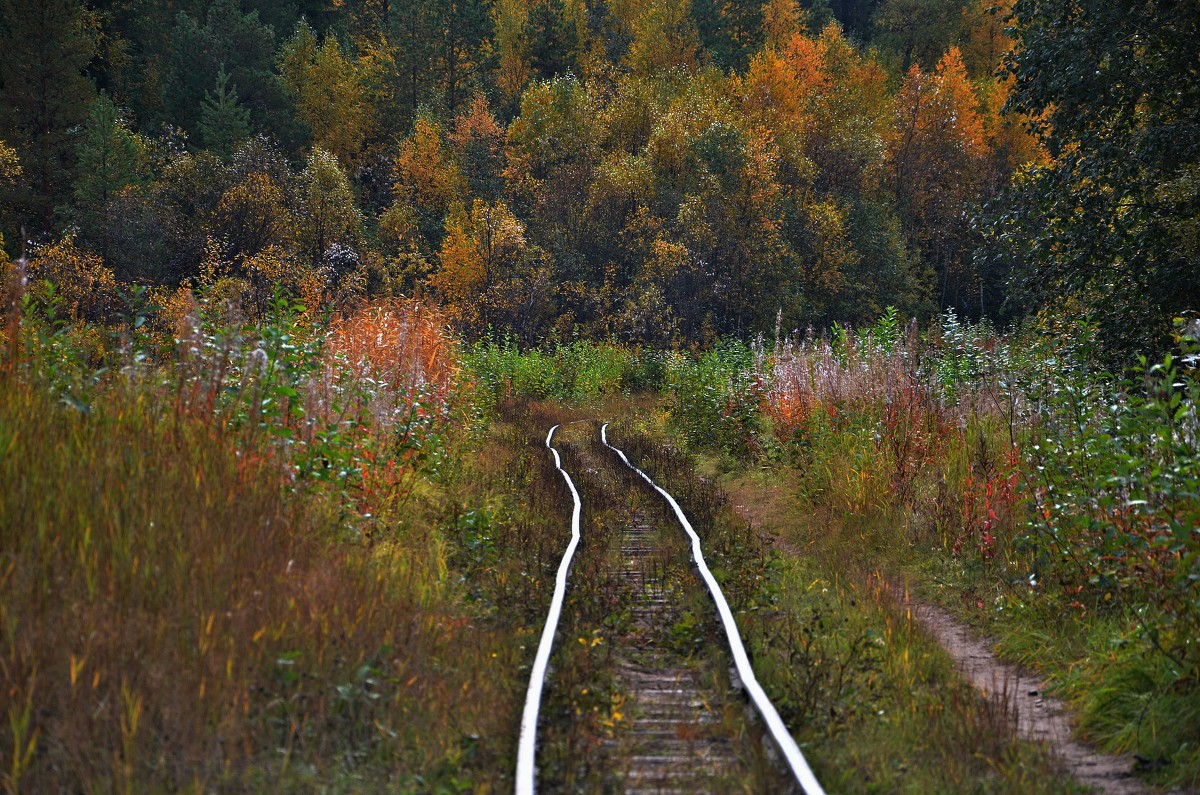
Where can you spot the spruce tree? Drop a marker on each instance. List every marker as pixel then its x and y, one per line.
pixel 108 160
pixel 223 122
pixel 47 45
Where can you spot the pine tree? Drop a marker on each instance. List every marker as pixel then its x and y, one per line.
pixel 231 40
pixel 108 160
pixel 223 122
pixel 552 40
pixel 47 45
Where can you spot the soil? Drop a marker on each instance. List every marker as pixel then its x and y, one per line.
pixel 1038 716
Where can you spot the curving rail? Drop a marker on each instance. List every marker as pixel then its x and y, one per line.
pixel 779 732
pixel 526 771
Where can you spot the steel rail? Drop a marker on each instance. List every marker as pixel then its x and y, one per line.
pixel 779 732
pixel 526 769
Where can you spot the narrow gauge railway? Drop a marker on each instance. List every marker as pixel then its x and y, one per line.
pixel 684 728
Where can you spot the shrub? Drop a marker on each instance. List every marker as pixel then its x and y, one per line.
pixel 1114 478
pixel 715 399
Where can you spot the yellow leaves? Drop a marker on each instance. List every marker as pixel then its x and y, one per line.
pixel 253 215
pixel 956 88
pixel 831 252
pixel 329 212
pixel 782 19
pixel 87 287
pixel 667 260
pixel 477 248
pixel 10 165
pixel 986 41
pixel 664 38
pixel 461 275
pixel 332 91
pixel 772 88
pixel 425 172
pixel 509 18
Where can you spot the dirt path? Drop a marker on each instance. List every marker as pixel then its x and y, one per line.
pixel 1039 717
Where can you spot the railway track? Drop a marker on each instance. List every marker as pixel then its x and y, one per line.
pixel 686 724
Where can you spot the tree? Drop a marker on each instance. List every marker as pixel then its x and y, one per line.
pixel 228 40
pixel 919 31
pixel 490 274
pixel 552 40
pixel 411 34
pixel 729 31
pixel 510 21
pixel 664 38
pixel 10 172
pixel 108 162
pixel 552 152
pixel 848 112
pixel 426 177
pixel 223 122
pixel 251 216
pixel 87 287
pixel 782 19
pixel 1115 90
pixel 478 140
pixel 328 215
pixel 938 158
pixel 47 46
pixel 331 90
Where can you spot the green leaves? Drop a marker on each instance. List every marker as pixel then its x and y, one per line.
pixel 1115 90
pixel 1115 485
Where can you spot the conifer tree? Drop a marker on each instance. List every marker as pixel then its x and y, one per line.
pixel 223 122
pixel 47 45
pixel 108 161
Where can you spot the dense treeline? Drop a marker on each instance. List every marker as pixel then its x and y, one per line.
pixel 662 170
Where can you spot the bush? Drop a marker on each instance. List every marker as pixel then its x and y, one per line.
pixel 1115 487
pixel 715 400
pixel 580 370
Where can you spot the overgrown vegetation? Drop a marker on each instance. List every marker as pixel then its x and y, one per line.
pixel 289 287
pixel 1037 490
pixel 873 700
pixel 287 614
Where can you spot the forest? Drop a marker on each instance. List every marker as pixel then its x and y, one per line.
pixel 655 173
pixel 287 286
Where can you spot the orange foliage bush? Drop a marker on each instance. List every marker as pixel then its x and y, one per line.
pixel 86 286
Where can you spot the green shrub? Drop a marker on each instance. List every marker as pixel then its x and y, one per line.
pixel 579 370
pixel 715 400
pixel 1115 484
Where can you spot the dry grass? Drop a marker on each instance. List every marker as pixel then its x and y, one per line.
pixel 172 618
pixel 918 434
pixel 181 608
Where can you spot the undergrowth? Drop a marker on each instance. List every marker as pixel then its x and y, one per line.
pixel 1031 493
pixel 256 555
pixel 873 702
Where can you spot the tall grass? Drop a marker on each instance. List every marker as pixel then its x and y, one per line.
pixel 577 371
pixel 228 569
pixel 890 418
